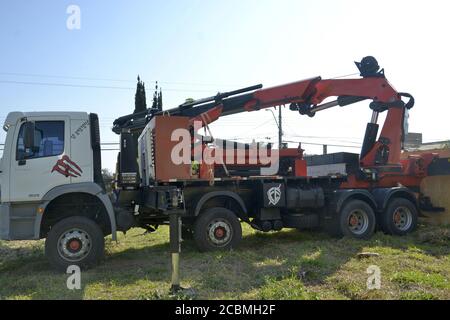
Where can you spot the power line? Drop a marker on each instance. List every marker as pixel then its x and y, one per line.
pixel 328 144
pixel 323 137
pixel 62 77
pixel 36 75
pixel 247 133
pixel 45 107
pixel 345 75
pixel 103 144
pixel 70 85
pixel 63 85
pixel 328 139
pixel 290 141
pixel 100 149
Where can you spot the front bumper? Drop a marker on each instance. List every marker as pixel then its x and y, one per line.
pixel 4 221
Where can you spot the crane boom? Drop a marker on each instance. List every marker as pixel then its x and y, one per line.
pixel 307 97
pixel 380 151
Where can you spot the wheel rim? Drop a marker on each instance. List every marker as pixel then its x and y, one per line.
pixel 74 245
pixel 402 218
pixel 358 221
pixel 219 232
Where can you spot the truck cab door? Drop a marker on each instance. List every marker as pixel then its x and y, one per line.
pixel 36 170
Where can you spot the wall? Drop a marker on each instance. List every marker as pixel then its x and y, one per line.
pixel 438 189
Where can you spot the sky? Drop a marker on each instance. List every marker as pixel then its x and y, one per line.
pixel 198 48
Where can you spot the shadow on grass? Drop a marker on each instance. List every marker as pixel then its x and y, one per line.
pixel 309 257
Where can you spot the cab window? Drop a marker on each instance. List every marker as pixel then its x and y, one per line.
pixel 48 141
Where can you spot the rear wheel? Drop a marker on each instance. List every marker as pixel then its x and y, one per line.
pixel 400 217
pixel 74 241
pixel 357 220
pixel 217 228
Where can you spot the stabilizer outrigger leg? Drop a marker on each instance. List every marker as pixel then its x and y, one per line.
pixel 175 249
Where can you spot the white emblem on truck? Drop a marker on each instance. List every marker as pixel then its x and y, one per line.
pixel 274 195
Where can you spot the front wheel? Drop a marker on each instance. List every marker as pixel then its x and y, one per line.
pixel 400 217
pixel 217 228
pixel 74 241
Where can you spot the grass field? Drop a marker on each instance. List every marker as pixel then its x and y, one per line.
pixel 283 265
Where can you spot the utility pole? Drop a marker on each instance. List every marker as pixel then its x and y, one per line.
pixel 279 125
pixel 280 129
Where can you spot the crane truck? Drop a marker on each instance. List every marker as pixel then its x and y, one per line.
pixel 52 186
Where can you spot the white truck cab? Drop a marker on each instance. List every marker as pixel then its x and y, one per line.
pixel 61 154
pixel 51 173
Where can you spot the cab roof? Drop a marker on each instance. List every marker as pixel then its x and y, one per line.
pixel 13 117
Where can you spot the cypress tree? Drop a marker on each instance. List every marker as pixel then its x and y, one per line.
pixel 140 101
pixel 155 97
pixel 160 103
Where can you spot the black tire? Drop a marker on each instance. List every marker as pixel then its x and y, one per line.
pixel 187 233
pixel 83 241
pixel 217 229
pixel 356 219
pixel 399 218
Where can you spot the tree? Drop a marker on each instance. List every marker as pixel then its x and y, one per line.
pixel 108 179
pixel 160 103
pixel 157 98
pixel 140 101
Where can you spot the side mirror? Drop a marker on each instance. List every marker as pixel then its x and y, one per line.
pixel 28 135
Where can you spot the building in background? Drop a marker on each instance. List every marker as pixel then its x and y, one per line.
pixel 437 187
pixel 414 144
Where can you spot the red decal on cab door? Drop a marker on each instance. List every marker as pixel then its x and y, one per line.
pixel 67 167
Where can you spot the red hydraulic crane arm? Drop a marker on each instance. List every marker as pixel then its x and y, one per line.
pixel 372 88
pixel 289 93
pixel 314 91
pixel 307 96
